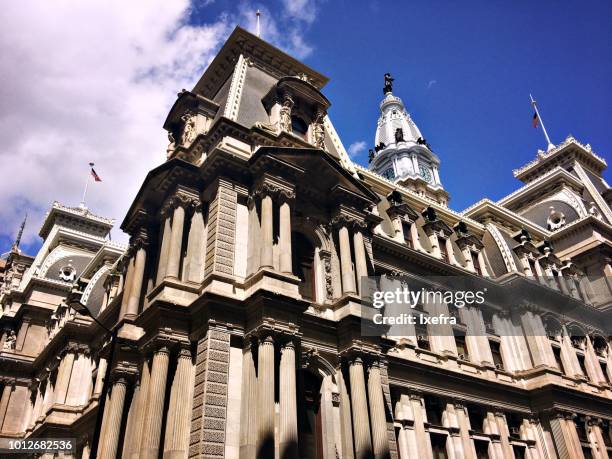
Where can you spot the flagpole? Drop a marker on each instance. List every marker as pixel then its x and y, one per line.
pixel 535 107
pixel 82 205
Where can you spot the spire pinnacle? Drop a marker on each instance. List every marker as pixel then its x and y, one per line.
pixel 15 247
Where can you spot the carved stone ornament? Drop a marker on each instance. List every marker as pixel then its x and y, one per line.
pixel 284 121
pixel 10 341
pixel 318 131
pixel 171 145
pixel 187 202
pixel 349 221
pixel 189 128
pixel 276 191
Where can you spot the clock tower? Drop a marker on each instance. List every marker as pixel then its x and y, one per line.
pixel 401 153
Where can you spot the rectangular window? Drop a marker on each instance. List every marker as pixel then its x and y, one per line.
pixel 482 449
pixel 519 451
pixel 443 252
pixel 406 231
pixel 581 429
pixel 582 365
pixel 422 336
pixel 534 272
pixel 438 446
pixel 477 417
pixel 557 354
pixel 462 350
pixel 496 353
pixel 604 370
pixel 433 410
pixel 476 263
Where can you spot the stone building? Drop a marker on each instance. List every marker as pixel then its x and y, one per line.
pixel 235 310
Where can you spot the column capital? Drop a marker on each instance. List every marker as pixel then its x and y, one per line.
pixel 348 218
pixel 275 188
pixel 140 240
pixel 184 351
pixel 183 197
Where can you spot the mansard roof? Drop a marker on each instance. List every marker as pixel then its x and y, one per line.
pixel 261 54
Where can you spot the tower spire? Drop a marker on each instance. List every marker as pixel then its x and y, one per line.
pixel 15 247
pixel 550 146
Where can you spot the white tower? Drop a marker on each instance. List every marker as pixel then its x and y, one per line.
pixel 401 153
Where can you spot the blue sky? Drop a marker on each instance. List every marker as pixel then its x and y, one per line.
pixel 463 69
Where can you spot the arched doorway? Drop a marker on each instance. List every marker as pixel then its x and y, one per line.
pixel 311 428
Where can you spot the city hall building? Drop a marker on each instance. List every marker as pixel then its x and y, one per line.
pixel 230 326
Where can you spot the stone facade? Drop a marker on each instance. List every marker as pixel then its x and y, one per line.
pixel 234 314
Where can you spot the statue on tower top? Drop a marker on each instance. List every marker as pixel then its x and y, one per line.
pixel 388 83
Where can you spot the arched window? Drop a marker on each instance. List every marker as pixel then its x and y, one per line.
pixel 299 126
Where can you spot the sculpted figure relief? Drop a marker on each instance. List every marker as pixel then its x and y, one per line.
pixel 11 340
pixel 318 132
pixel 189 128
pixel 171 145
pixel 284 122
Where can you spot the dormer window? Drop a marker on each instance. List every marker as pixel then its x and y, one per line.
pixel 299 126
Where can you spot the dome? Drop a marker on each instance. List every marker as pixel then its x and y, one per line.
pixel 393 116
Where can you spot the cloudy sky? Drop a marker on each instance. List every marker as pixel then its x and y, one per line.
pixel 93 80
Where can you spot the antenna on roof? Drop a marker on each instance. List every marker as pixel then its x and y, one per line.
pixel 258 26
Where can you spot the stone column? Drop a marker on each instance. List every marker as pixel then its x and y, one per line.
pixel 176 444
pixel 288 404
pixel 378 419
pixel 267 228
pixel 360 258
pixel 176 241
pixel 164 249
pixel 63 377
pixel 451 252
pixel 127 285
pixel 346 431
pixel 265 376
pixel 196 247
pixel 285 237
pixel 248 411
pixel 537 340
pixel 112 420
pixel 100 373
pixel 482 264
pixel 359 405
pixel 139 245
pixel 4 401
pixel 414 237
pixel 131 449
pixel 151 434
pixel 346 263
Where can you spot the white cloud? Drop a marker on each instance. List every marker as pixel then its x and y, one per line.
pixel 431 83
pixel 356 148
pixel 303 10
pixel 93 81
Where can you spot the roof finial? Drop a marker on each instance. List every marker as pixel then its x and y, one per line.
pixel 15 247
pixel 388 83
pixel 538 119
pixel 258 13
